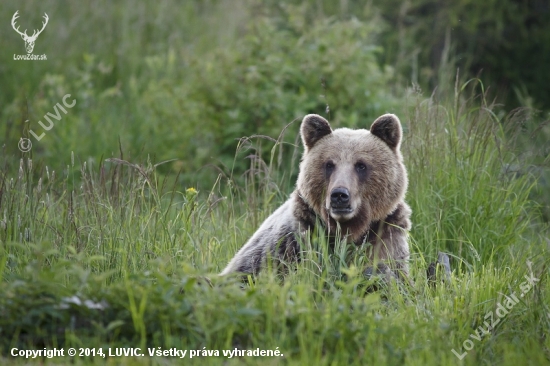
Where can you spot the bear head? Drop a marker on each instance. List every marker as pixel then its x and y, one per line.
pixel 351 178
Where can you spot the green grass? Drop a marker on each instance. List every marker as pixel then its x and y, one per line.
pixel 98 211
pixel 120 234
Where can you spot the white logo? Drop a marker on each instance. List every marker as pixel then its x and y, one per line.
pixel 29 40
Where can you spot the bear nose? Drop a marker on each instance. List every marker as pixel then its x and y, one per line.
pixel 339 197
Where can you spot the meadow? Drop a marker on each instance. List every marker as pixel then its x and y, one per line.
pixel 113 227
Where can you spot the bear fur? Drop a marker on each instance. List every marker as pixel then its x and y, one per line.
pixel 354 180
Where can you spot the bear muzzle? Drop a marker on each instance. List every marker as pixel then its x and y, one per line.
pixel 340 204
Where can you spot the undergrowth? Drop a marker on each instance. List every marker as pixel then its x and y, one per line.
pixel 115 255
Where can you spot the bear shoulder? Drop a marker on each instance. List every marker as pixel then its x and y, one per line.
pixel 275 237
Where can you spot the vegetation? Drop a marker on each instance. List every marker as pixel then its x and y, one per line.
pixel 108 243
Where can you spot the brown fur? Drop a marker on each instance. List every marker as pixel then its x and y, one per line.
pixel 364 168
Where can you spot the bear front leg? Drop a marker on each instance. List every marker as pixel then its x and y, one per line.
pixel 390 249
pixel 248 259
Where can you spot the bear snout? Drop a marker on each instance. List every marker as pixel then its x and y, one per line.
pixel 340 199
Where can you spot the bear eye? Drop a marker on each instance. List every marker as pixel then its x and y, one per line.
pixel 329 167
pixel 360 167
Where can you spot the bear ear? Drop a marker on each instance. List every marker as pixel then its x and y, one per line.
pixel 388 128
pixel 314 127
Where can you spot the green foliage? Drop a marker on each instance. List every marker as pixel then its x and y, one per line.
pixel 279 68
pixel 104 244
pixel 466 197
pixel 506 43
pixel 103 257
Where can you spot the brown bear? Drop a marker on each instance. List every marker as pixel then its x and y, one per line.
pixel 351 180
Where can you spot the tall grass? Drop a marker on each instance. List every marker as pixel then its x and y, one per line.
pixel 145 254
pixel 112 247
pixel 465 199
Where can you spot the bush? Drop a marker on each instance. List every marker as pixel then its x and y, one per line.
pixel 193 103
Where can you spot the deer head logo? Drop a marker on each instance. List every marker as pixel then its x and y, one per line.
pixel 29 41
